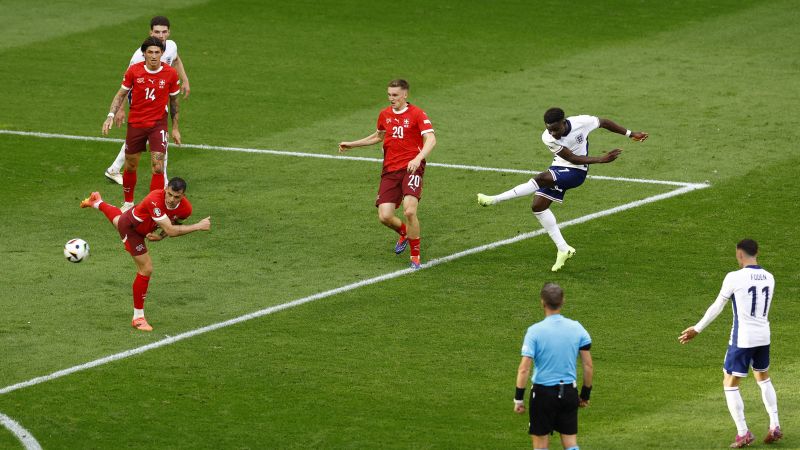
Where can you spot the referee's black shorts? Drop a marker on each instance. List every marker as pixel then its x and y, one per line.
pixel 553 408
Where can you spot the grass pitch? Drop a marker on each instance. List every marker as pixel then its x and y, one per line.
pixel 427 359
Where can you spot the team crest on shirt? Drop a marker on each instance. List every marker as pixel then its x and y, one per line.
pixel 405 123
pixel 579 139
pixel 157 212
pixel 161 84
pixel 140 80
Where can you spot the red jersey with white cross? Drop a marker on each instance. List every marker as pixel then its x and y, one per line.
pixel 150 93
pixel 153 209
pixel 403 139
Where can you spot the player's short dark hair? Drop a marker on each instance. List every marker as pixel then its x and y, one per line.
pixel 401 83
pixel 552 295
pixel 159 20
pixel 152 41
pixel 177 184
pixel 749 246
pixel 553 115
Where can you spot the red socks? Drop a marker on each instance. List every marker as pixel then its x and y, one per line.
pixel 157 182
pixel 128 185
pixel 402 230
pixel 140 290
pixel 414 246
pixel 110 211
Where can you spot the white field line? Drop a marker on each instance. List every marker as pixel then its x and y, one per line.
pixel 24 436
pixel 339 157
pixel 339 290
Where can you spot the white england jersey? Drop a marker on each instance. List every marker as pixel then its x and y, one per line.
pixel 750 291
pixel 169 56
pixel 576 141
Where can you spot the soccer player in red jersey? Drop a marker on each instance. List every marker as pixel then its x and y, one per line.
pixel 408 139
pixel 161 208
pixel 153 85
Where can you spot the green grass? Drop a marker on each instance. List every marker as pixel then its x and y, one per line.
pixel 427 359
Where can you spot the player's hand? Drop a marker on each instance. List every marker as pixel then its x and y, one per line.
pixel 154 237
pixel 107 125
pixel 176 136
pixel 414 164
pixel 639 136
pixel 119 117
pixel 204 224
pixel 185 89
pixel 583 403
pixel 344 146
pixel 519 408
pixel 687 335
pixel 611 156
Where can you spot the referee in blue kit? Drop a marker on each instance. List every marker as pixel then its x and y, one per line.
pixel 554 345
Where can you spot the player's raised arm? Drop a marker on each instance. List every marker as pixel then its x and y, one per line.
pixel 372 139
pixel 116 104
pixel 614 127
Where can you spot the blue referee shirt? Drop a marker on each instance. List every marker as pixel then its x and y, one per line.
pixel 553 344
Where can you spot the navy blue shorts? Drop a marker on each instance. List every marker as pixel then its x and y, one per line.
pixel 566 178
pixel 739 360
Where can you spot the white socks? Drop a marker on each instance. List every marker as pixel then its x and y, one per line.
pixel 770 401
pixel 522 190
pixel 116 166
pixel 138 313
pixel 548 221
pixel 736 408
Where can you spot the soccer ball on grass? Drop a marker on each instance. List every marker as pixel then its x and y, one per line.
pixel 76 250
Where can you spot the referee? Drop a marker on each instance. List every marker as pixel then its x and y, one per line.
pixel 554 344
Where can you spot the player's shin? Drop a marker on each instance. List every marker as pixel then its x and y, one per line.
pixel 128 185
pixel 157 182
pixel 548 221
pixel 140 284
pixel 770 400
pixel 736 408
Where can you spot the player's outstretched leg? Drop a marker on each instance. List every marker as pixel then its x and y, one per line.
pixel 114 172
pixel 521 190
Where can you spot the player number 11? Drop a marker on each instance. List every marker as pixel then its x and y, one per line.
pixel 754 292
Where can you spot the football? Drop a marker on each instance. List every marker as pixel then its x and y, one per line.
pixel 76 250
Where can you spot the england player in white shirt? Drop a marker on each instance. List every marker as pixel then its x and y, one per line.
pixel 159 28
pixel 568 140
pixel 750 291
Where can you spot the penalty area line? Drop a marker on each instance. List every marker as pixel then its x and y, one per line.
pixel 24 436
pixel 349 287
pixel 342 157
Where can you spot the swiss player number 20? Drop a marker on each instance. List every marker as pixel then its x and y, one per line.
pixel 397 132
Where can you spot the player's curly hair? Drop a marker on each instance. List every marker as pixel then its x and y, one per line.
pixel 552 295
pixel 153 42
pixel 553 115
pixel 159 20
